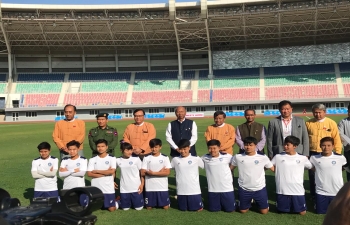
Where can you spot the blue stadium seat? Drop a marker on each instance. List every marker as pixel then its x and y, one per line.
pixel 166 75
pixel 344 67
pixel 2 77
pixel 236 72
pixel 188 74
pixel 99 76
pixel 304 69
pixel 31 77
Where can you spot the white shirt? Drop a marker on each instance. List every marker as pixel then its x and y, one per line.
pixel 187 175
pixel 329 174
pixel 169 137
pixel 156 163
pixel 251 170
pixel 106 183
pixel 289 171
pixel 218 172
pixel 130 179
pixel 286 127
pixel 72 179
pixel 45 165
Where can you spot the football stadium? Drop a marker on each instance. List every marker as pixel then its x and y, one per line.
pixel 204 55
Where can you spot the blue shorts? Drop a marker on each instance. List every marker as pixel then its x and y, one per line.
pixel 245 198
pixel 128 200
pixel 45 194
pixel 291 203
pixel 189 202
pixel 221 200
pixel 322 203
pixel 109 201
pixel 157 198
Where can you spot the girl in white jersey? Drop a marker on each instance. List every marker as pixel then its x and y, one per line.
pixel 131 181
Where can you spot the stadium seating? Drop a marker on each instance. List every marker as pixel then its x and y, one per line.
pixel 300 80
pixel 161 97
pixel 40 100
pixel 344 67
pixel 236 72
pixel 2 77
pixel 345 77
pixel 203 74
pixel 301 92
pixel 163 75
pixel 38 87
pixel 104 86
pixel 304 69
pixel 151 85
pixel 3 87
pixel 99 76
pixel 81 99
pixel 236 82
pixel 204 84
pixel 346 90
pixel 236 94
pixel 188 74
pixel 30 77
pixel 203 96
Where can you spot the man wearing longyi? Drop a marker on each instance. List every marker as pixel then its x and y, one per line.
pixel 139 134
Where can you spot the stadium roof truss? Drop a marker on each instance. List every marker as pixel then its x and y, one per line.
pixel 180 27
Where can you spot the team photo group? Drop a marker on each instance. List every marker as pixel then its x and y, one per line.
pixel 289 147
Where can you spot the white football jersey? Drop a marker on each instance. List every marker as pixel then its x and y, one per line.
pixel 329 174
pixel 45 165
pixel 218 172
pixel 156 163
pixel 72 179
pixel 289 170
pixel 251 170
pixel 130 179
pixel 187 175
pixel 106 183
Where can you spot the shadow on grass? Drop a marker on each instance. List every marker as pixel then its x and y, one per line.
pixel 28 193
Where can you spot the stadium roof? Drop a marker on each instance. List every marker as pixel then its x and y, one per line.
pixel 173 27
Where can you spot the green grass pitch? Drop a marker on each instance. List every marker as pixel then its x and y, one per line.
pixel 18 149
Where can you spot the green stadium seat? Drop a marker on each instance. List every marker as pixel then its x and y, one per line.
pixel 38 87
pixel 237 82
pixel 104 86
pixel 300 79
pixel 345 77
pixel 204 84
pixel 153 85
pixel 3 87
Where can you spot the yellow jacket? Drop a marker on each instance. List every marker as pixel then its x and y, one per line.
pixel 318 130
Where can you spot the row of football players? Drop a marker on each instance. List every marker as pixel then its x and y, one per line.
pixel 152 174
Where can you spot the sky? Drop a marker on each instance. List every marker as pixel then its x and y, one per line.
pixel 90 2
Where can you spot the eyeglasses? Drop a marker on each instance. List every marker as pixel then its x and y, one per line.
pixel 138 115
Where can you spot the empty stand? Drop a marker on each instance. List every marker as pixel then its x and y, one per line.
pixel 236 72
pixel 40 100
pixel 203 96
pixel 300 80
pixel 302 92
pixel 188 74
pixel 346 90
pixel 236 82
pixel 344 67
pixel 162 97
pixel 104 86
pixel 99 76
pixel 2 77
pixel 38 87
pixel 162 75
pixel 203 74
pixel 345 77
pixel 204 84
pixel 149 85
pixel 49 77
pixel 115 98
pixel 3 87
pixel 236 94
pixel 304 69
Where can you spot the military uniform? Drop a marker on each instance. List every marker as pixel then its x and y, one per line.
pixel 110 134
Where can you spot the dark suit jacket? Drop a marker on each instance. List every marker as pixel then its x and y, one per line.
pixel 275 136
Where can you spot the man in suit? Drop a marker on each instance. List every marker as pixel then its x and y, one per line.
pixel 285 125
pixel 181 128
pixel 344 131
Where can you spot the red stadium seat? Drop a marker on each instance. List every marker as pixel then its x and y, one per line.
pixel 236 94
pixel 302 92
pixel 161 97
pixel 40 100
pixel 101 98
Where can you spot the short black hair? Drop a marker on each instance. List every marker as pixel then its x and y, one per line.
pixel 138 110
pixel 218 113
pixel 125 146
pixel 68 105
pixel 245 111
pixel 100 141
pixel 292 140
pixel 249 140
pixel 44 145
pixel 154 142
pixel 73 143
pixel 330 139
pixel 283 103
pixel 183 143
pixel 213 142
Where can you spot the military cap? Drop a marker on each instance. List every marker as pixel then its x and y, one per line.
pixel 102 115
